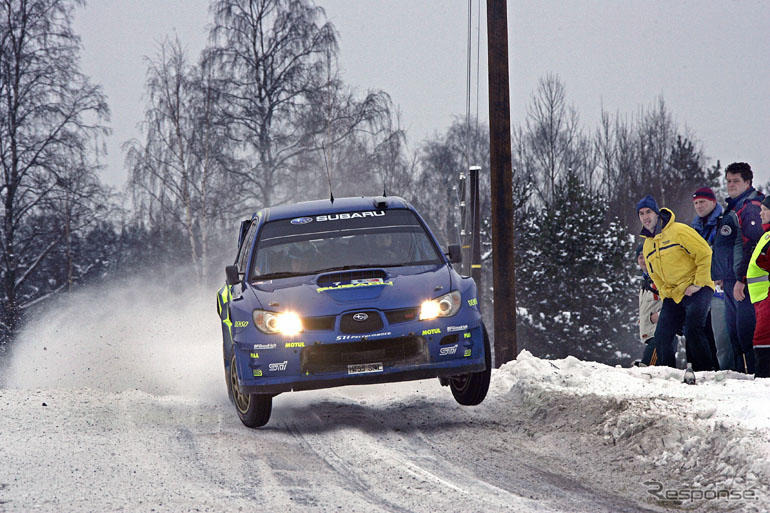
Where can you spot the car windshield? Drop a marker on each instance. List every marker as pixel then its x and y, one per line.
pixel 350 240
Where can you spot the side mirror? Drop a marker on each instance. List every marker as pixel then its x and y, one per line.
pixel 233 277
pixel 455 254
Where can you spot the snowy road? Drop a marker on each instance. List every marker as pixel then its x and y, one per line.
pixel 126 411
pixel 348 449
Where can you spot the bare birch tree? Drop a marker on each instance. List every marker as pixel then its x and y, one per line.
pixel 49 112
pixel 274 59
pixel 551 143
pixel 177 172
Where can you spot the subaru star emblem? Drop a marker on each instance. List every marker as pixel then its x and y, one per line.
pixel 360 317
pixel 301 220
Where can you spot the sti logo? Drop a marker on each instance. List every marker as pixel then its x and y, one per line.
pixel 444 351
pixel 278 366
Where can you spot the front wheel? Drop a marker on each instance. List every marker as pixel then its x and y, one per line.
pixel 470 389
pixel 253 409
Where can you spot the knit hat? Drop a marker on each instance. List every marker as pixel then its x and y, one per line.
pixel 648 202
pixel 766 202
pixel 705 193
pixel 639 249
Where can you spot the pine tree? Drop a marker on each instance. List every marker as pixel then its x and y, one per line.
pixel 575 277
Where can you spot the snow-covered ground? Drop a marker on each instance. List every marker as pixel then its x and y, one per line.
pixel 114 400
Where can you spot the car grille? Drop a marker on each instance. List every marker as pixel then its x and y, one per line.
pixel 372 323
pixel 321 358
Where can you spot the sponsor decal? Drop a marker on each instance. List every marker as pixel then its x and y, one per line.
pixel 473 302
pixel 278 366
pixel 241 324
pixel 467 353
pixel 360 316
pixel 264 346
pixel 294 344
pixel 301 220
pixel 355 283
pixel 359 337
pixel 725 230
pixel 467 335
pixel 257 373
pixel 450 329
pixel 349 215
pixel 365 368
pixel 254 355
pixel 432 331
pixel 445 351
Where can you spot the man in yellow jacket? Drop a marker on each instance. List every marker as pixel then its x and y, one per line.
pixel 679 262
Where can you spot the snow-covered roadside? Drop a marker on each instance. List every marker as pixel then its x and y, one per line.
pixel 133 384
pixel 709 442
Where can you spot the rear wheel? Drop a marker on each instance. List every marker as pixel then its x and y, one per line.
pixel 253 409
pixel 470 389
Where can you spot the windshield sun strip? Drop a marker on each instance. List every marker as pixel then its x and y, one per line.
pixel 416 228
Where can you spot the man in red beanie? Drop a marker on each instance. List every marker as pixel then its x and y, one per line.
pixel 707 215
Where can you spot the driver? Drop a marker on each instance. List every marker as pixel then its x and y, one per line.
pixel 384 246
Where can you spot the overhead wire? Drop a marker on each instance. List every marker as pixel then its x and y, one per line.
pixel 468 87
pixel 478 59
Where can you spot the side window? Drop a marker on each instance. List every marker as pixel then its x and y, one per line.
pixel 244 252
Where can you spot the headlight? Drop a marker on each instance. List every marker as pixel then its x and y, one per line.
pixel 285 323
pixel 444 306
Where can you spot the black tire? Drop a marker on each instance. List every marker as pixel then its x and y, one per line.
pixel 253 409
pixel 228 368
pixel 471 389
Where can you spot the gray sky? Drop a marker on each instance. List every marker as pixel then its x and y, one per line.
pixel 709 60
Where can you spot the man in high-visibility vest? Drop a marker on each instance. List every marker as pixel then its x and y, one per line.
pixel 757 275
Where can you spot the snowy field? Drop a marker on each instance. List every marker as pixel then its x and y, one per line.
pixel 115 400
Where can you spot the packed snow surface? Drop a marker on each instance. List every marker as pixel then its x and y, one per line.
pixel 114 399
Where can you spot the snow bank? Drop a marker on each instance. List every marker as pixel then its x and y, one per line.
pixel 711 438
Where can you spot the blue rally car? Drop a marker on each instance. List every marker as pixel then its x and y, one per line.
pixel 354 291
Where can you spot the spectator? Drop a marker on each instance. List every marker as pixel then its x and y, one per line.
pixel 649 310
pixel 679 262
pixel 737 234
pixel 707 214
pixel 758 285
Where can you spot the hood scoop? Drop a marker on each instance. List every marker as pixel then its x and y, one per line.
pixel 346 277
pixel 354 285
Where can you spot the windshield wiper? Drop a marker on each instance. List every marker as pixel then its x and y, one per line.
pixel 344 268
pixel 407 264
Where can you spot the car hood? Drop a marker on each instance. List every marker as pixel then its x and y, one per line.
pixel 399 288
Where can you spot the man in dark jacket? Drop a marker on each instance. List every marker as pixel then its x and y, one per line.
pixel 738 231
pixel 707 215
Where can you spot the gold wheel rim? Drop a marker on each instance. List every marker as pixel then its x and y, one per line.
pixel 241 400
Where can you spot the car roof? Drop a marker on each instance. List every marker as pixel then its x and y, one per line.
pixel 353 204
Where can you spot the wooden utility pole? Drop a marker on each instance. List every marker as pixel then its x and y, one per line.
pixel 502 183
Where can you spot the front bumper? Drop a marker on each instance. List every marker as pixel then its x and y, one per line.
pixel 364 379
pixel 324 359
